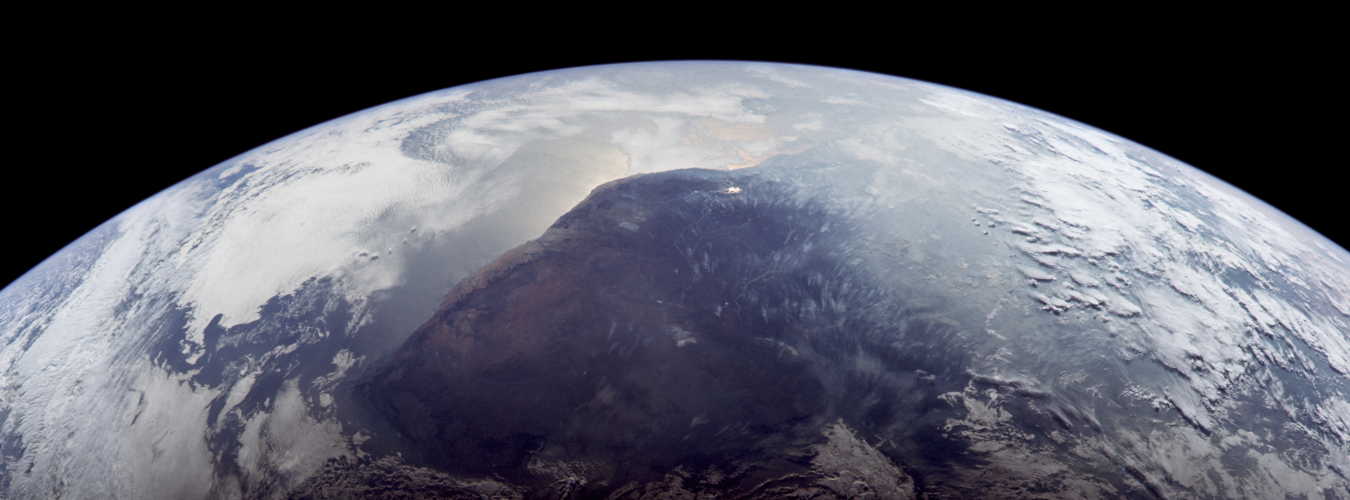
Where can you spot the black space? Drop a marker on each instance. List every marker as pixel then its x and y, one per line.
pixel 110 116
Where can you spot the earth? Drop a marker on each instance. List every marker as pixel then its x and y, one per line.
pixel 685 280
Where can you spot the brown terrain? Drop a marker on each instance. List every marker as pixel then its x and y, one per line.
pixel 658 338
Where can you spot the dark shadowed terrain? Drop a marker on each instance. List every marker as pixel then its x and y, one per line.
pixel 691 321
